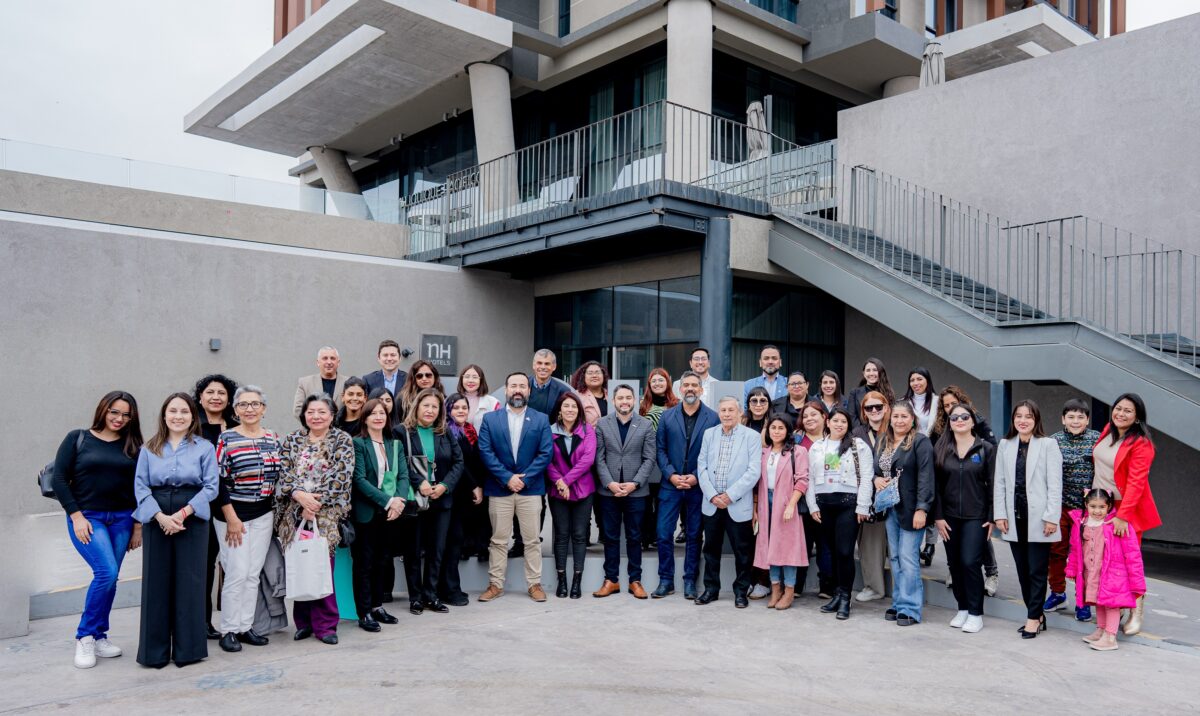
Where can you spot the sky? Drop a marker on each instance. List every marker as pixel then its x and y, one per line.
pixel 116 77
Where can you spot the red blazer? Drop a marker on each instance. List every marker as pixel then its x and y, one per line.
pixel 1132 475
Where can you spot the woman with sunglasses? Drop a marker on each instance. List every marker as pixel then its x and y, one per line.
pixel 874 415
pixel 758 404
pixel 422 376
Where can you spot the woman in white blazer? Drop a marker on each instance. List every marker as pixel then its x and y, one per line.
pixel 1027 502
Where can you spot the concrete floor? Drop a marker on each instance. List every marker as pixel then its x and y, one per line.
pixel 617 654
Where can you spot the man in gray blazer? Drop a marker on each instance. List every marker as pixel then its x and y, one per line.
pixel 327 380
pixel 729 468
pixel 625 455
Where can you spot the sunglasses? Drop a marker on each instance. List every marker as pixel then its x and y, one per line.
pixel 960 418
pixel 759 400
pixel 424 375
pixel 873 408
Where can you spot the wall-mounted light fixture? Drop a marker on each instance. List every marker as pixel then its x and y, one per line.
pixel 214 344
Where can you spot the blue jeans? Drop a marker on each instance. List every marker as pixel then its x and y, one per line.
pixel 670 502
pixel 788 574
pixel 110 541
pixel 904 544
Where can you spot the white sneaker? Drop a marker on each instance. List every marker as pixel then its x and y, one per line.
pixel 105 649
pixel 759 592
pixel 973 624
pixel 958 620
pixel 868 595
pixel 85 653
pixel 991 583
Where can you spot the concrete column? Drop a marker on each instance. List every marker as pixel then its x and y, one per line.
pixel 900 85
pixel 689 85
pixel 716 297
pixel 491 111
pixel 1000 406
pixel 339 180
pixel 14 588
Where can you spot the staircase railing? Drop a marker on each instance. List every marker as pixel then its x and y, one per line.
pixel 1064 269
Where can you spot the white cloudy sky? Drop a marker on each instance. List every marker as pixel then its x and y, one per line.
pixel 116 77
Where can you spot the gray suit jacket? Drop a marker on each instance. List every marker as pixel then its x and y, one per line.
pixel 1043 487
pixel 631 461
pixel 310 384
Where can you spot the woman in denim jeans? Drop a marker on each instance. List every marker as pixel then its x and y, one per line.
pixel 905 455
pixel 93 479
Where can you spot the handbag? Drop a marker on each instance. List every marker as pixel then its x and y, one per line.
pixel 425 469
pixel 889 496
pixel 45 478
pixel 307 572
pixel 346 532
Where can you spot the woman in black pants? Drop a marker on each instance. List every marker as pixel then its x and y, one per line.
pixel 467 496
pixel 963 470
pixel 174 482
pixel 840 475
pixel 435 465
pixel 214 398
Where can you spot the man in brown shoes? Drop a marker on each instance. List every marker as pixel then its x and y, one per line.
pixel 625 454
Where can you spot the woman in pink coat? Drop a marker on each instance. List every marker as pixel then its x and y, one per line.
pixel 780 542
pixel 571 488
pixel 1107 568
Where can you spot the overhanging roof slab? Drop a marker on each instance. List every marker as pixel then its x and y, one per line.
pixel 349 63
pixel 1032 32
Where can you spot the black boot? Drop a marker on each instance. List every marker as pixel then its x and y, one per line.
pixel 843 610
pixel 927 554
pixel 561 590
pixel 833 604
pixel 577 585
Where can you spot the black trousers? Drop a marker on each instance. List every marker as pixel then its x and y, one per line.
pixel 479 529
pixel 572 522
pixel 373 565
pixel 650 519
pixel 839 532
pixel 615 512
pixel 449 584
pixel 423 542
pixel 210 571
pixel 172 626
pixel 820 556
pixel 1033 569
pixel 965 550
pixel 741 543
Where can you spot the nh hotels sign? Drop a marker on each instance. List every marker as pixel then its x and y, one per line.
pixel 442 352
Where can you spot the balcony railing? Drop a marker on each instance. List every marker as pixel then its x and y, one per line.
pixel 653 149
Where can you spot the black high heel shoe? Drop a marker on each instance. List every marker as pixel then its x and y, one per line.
pixel 1033 634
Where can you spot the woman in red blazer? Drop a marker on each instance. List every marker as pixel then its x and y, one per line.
pixel 1122 458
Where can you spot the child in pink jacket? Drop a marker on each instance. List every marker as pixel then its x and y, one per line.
pixel 1107 569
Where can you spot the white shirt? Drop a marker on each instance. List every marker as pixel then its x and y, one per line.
pixel 708 397
pixel 381 463
pixel 516 421
pixel 924 421
pixel 772 469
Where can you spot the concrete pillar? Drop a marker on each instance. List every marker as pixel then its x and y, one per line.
pixel 491 111
pixel 900 85
pixel 716 297
pixel 334 168
pixel 1000 406
pixel 689 85
pixel 14 588
pixel 911 14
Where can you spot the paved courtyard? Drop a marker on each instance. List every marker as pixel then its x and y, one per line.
pixel 618 655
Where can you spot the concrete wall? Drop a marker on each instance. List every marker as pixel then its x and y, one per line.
pixel 1101 130
pixel 88 311
pixel 1172 477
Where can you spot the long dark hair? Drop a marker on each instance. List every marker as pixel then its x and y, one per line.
pixel 454 427
pixel 556 411
pixel 351 382
pixel 837 382
pixel 131 431
pixel 483 386
pixel 369 408
pixel 960 395
pixel 847 442
pixel 946 442
pixel 758 390
pixel 930 391
pixel 230 385
pixel 155 444
pixel 1092 494
pixel 393 415
pixel 789 440
pixel 1032 407
pixel 1139 428
pixel 883 385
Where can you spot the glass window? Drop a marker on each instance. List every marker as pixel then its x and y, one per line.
pixel 760 312
pixel 679 310
pixel 636 313
pixel 593 318
pixel 552 314
pixel 564 17
pixel 931 18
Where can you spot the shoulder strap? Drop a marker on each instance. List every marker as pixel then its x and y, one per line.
pixel 79 440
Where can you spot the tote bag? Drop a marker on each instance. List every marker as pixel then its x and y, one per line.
pixel 307 569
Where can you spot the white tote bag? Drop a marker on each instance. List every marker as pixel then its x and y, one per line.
pixel 308 572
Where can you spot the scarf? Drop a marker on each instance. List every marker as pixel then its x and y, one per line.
pixel 469 430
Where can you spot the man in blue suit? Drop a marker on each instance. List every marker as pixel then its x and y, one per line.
pixel 730 464
pixel 515 447
pixel 678 439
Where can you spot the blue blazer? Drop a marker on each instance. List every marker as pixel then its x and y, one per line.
pixel 375 380
pixel 533 453
pixel 745 468
pixel 674 456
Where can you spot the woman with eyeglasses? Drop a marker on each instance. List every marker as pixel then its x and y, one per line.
pixel 657 398
pixel 874 416
pixel 590 382
pixel 423 375
pixel 758 405
pixel 789 405
pixel 213 394
pixel 248 466
pixel 473 385
pixel 963 469
pixel 874 377
pixel 93 481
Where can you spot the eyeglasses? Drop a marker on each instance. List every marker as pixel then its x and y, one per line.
pixel 759 400
pixel 424 375
pixel 960 418
pixel 118 414
pixel 249 405
pixel 795 384
pixel 873 408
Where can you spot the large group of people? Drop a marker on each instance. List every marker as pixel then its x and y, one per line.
pixel 785 475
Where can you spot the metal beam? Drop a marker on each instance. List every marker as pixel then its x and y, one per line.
pixel 716 296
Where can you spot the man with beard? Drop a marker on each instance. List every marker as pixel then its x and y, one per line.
pixel 770 379
pixel 699 362
pixel 515 446
pixel 679 437
pixel 624 460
